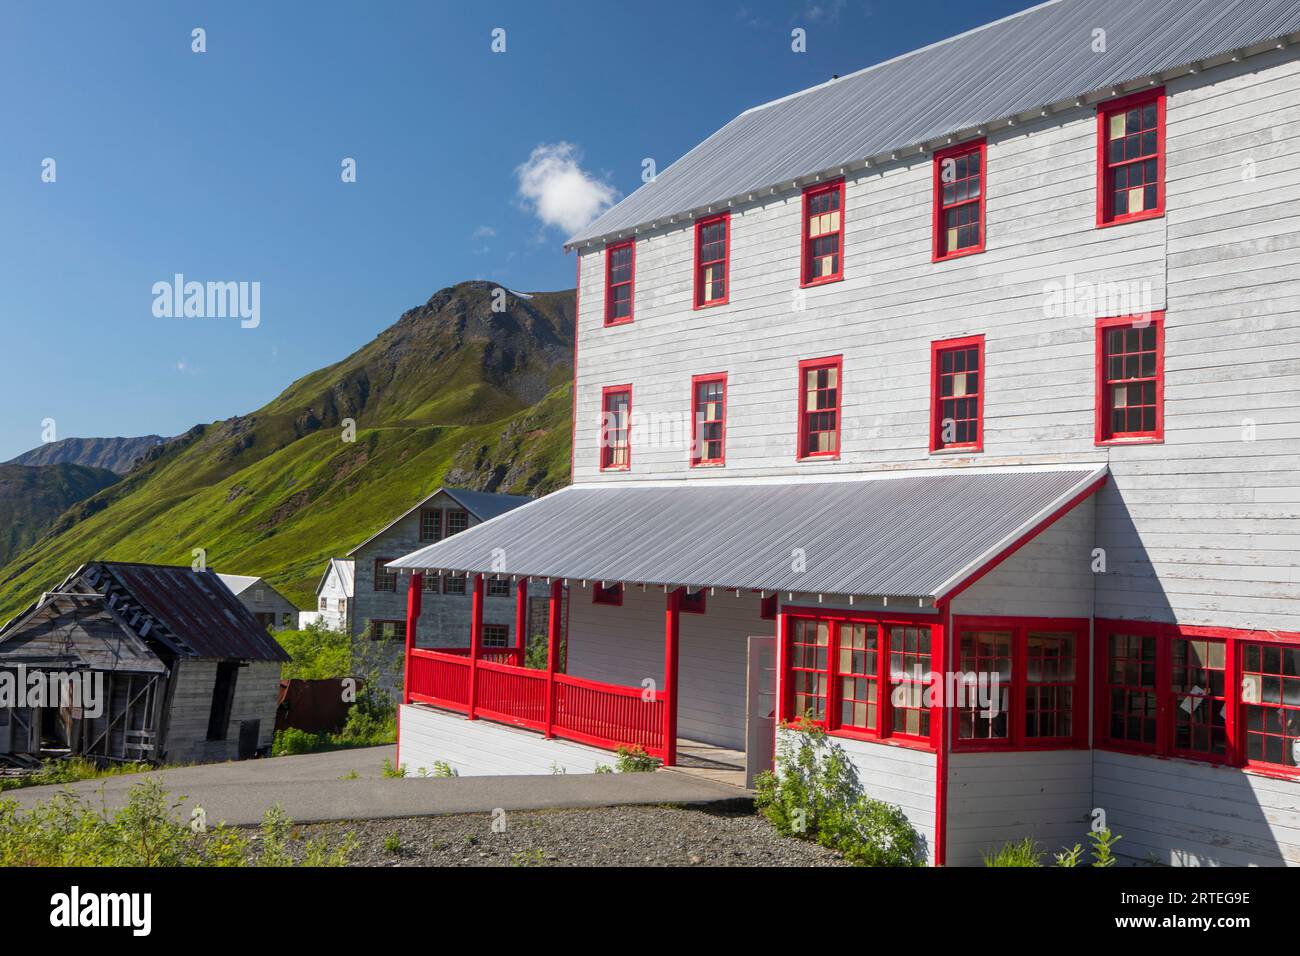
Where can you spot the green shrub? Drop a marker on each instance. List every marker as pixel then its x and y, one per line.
pixel 1024 853
pixel 317 653
pixel 443 769
pixel 634 759
pixel 391 770
pixel 814 794
pixel 392 843
pixel 67 830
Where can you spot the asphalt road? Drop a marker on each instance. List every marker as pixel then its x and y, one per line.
pixel 320 787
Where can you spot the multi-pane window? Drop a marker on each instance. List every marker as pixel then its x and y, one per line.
pixel 1052 673
pixel 457 521
pixel 823 233
pixel 709 419
pixel 809 651
pixel 430 524
pixel 959 200
pixel 691 602
pixel 1198 671
pixel 607 593
pixel 1131 690
pixel 1021 683
pixel 909 679
pixel 454 584
pixel 620 263
pixel 495 635
pixel 1130 160
pixel 819 408
pixel 711 253
pixel 432 582
pixel 1130 378
pixel 387 630
pixel 385 578
pixel 983 654
pixel 498 587
pixel 1270 704
pixel 859 674
pixel 958 401
pixel 616 429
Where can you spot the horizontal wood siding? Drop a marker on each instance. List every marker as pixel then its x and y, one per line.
pixel 625 645
pixel 257 692
pixel 994 798
pixel 1190 814
pixel 481 748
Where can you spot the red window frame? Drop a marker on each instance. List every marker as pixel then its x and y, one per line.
pixel 1107 382
pixel 427 534
pixel 699 443
pixel 835 362
pixel 607 447
pixel 691 603
pixel 1019 631
pixel 700 264
pixel 1241 650
pixel 611 285
pixel 385 579
pixel 830 227
pixel 939 378
pixel 610 594
pixel 1109 167
pixel 886 624
pixel 943 203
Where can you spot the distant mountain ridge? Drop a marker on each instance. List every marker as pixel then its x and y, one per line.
pixel 117 455
pixel 32 497
pixel 453 388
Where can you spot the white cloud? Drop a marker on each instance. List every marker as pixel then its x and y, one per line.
pixel 557 189
pixel 484 232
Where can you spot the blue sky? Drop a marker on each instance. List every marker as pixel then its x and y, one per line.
pixel 225 166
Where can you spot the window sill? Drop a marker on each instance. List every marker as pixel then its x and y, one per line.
pixel 959 747
pixel 958 450
pixel 1134 440
pixel 708 464
pixel 868 738
pixel 960 254
pixel 617 322
pixel 1157 213
pixel 824 280
pixel 816 458
pixel 710 305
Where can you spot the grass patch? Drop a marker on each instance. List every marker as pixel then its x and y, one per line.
pixel 70 770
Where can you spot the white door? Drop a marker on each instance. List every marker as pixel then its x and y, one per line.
pixel 760 708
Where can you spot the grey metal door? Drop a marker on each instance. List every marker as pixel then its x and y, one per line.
pixel 760 707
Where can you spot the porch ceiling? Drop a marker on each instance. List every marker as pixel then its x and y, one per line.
pixel 917 535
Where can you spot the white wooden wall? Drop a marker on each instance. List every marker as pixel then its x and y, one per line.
pixel 476 748
pixel 625 645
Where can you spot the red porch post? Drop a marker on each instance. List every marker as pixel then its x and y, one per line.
pixel 475 641
pixel 552 652
pixel 414 596
pixel 672 629
pixel 521 621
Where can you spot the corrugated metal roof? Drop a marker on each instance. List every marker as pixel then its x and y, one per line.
pixel 484 505
pixel 897 535
pixel 199 609
pixel 1033 59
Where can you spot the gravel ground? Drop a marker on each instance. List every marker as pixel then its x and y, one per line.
pixel 612 836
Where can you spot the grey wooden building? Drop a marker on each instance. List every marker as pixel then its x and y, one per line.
pixel 272 609
pixel 188 675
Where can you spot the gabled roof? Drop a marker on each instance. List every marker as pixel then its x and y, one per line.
pixel 67 631
pixel 1040 57
pixel 238 583
pixel 895 534
pixel 483 505
pixel 345 568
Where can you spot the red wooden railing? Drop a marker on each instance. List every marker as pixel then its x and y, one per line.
pixel 439 679
pixel 608 715
pixel 497 655
pixel 586 711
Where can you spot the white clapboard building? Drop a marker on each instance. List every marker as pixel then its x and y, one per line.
pixel 983 360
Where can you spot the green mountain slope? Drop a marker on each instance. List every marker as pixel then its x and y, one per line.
pixel 33 497
pixel 452 387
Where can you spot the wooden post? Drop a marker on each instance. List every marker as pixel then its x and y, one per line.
pixel 521 621
pixel 672 630
pixel 414 598
pixel 552 652
pixel 475 641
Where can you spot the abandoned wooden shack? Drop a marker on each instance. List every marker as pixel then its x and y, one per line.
pixel 127 662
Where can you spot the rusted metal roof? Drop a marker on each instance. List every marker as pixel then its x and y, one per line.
pixel 198 609
pixel 894 534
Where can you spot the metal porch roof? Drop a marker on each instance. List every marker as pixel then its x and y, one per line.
pixel 897 534
pixel 1033 59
